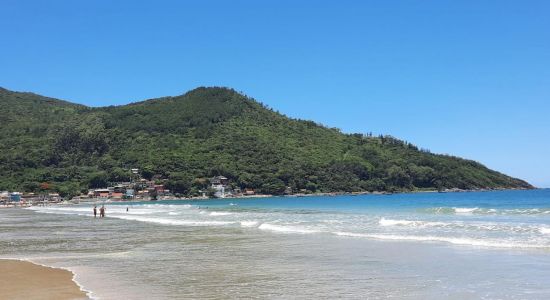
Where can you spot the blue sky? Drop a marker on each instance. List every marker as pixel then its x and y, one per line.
pixel 469 78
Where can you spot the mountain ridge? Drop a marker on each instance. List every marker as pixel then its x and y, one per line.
pixel 211 131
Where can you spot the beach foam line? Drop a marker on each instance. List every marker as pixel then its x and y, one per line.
pixel 88 293
pixel 58 209
pixel 478 226
pixel 88 210
pixel 134 215
pixel 451 240
pixel 161 205
pixel 408 223
pixel 249 223
pixel 286 229
pixel 544 230
pixel 465 210
pixel 390 222
pixel 453 210
pixel 165 221
pixel 351 234
pixel 486 211
pixel 219 213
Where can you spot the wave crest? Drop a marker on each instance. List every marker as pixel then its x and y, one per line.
pixel 486 211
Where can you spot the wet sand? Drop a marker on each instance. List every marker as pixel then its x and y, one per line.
pixel 25 280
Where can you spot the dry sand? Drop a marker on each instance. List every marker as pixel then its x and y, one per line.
pixel 25 280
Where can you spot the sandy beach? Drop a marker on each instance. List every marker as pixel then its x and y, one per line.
pixel 25 280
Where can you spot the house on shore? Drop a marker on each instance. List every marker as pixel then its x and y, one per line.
pixel 219 185
pixel 10 197
pixel 15 196
pixel 101 193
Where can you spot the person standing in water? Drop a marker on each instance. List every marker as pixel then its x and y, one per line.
pixel 102 212
pixel 95 211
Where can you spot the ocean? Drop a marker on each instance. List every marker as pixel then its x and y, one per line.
pixel 472 245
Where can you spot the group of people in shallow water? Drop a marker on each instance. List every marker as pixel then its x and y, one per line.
pixel 101 211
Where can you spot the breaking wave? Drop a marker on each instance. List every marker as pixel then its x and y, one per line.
pixel 218 213
pixel 455 224
pixel 286 229
pixel 486 211
pixel 451 240
pixel 166 221
pixel 249 223
pixel 470 226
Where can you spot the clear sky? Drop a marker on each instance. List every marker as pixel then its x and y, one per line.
pixel 469 78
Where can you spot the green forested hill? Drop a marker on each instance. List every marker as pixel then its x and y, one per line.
pixel 206 132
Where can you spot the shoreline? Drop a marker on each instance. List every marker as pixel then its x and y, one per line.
pixel 331 194
pixel 298 195
pixel 24 279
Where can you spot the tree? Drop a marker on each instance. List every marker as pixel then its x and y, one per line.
pixel 273 186
pixel 44 187
pixel 178 186
pixel 98 180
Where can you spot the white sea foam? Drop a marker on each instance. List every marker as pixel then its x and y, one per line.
pixel 137 212
pixel 390 222
pixel 452 240
pixel 220 213
pixel 487 211
pixel 456 229
pixel 286 229
pixel 249 223
pixel 457 241
pixel 166 221
pixel 461 225
pixel 164 205
pixel 350 234
pixel 465 210
pixel 59 209
pixel 88 210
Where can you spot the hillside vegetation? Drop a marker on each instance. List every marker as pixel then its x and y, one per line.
pixel 208 132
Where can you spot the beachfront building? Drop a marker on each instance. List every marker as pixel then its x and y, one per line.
pixel 117 195
pixel 54 197
pixel 8 198
pixel 159 188
pixel 219 185
pixel 4 197
pixel 102 193
pixel 15 197
pixel 119 188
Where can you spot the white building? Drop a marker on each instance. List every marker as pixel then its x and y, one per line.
pixel 219 184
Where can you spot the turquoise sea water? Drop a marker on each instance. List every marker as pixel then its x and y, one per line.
pixel 490 245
